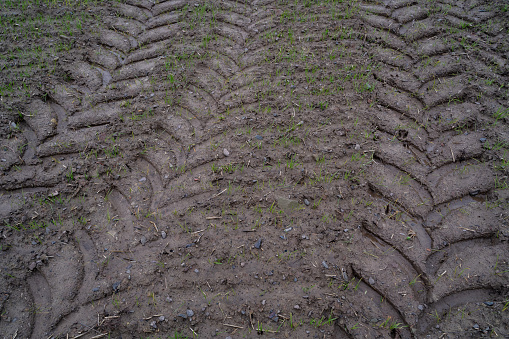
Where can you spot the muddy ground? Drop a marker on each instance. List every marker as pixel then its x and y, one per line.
pixel 237 169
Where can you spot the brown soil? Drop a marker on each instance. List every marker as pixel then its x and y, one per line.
pixel 236 169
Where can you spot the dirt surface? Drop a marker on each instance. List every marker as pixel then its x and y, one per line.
pixel 229 169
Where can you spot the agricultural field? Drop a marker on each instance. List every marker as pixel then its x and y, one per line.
pixel 256 168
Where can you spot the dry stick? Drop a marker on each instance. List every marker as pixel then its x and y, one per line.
pixel 234 326
pixel 218 194
pixel 251 319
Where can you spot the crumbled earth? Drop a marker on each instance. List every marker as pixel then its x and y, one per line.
pixel 236 169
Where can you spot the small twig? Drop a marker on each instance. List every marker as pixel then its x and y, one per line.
pixel 218 194
pixel 234 326
pixel 155 226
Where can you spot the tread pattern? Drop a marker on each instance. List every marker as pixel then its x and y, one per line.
pixel 172 122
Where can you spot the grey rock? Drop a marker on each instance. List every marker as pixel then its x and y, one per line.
pixel 189 313
pixel 371 281
pixel 489 303
pixel 161 318
pixel 225 152
pixel 324 264
pixel 258 244
pixel 143 240
pixel 306 202
pixel 116 286
pixel 420 307
pixel 153 324
pixel 287 205
pixel 163 234
pixel 143 179
pixel 297 307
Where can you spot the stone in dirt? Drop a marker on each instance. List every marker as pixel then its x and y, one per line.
pixel 287 205
pixel 226 153
pixel 258 244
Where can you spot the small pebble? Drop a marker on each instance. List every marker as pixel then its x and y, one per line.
pixel 163 234
pixel 488 303
pixel 371 281
pixel 297 307
pixel 226 153
pixel 324 264
pixel 258 244
pixel 189 313
pixel 306 202
pixel 116 286
pixel 143 179
pixel 143 240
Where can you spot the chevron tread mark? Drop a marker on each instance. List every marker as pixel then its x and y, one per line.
pixel 334 169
